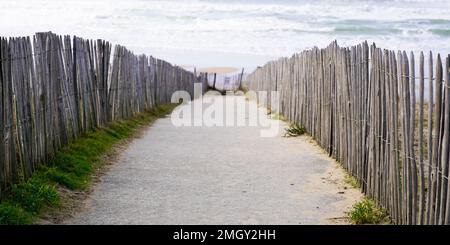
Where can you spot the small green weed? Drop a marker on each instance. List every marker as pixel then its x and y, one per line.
pixel 367 212
pixel 295 130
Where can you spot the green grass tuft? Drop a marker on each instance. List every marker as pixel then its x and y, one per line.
pixel 279 116
pixel 72 167
pixel 34 194
pixel 295 130
pixel 352 181
pixel 244 89
pixel 11 214
pixel 367 212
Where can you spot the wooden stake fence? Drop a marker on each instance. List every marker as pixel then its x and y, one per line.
pixel 360 104
pixel 54 88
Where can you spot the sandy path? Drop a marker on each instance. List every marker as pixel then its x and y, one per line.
pixel 219 175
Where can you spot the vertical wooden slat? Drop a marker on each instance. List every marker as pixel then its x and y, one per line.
pixel 436 143
pixel 422 184
pixel 412 133
pixel 10 147
pixel 431 175
pixel 2 121
pixel 447 124
pixel 445 146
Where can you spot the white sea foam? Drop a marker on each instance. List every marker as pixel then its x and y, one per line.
pixel 264 28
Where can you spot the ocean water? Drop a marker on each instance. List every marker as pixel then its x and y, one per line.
pixel 243 33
